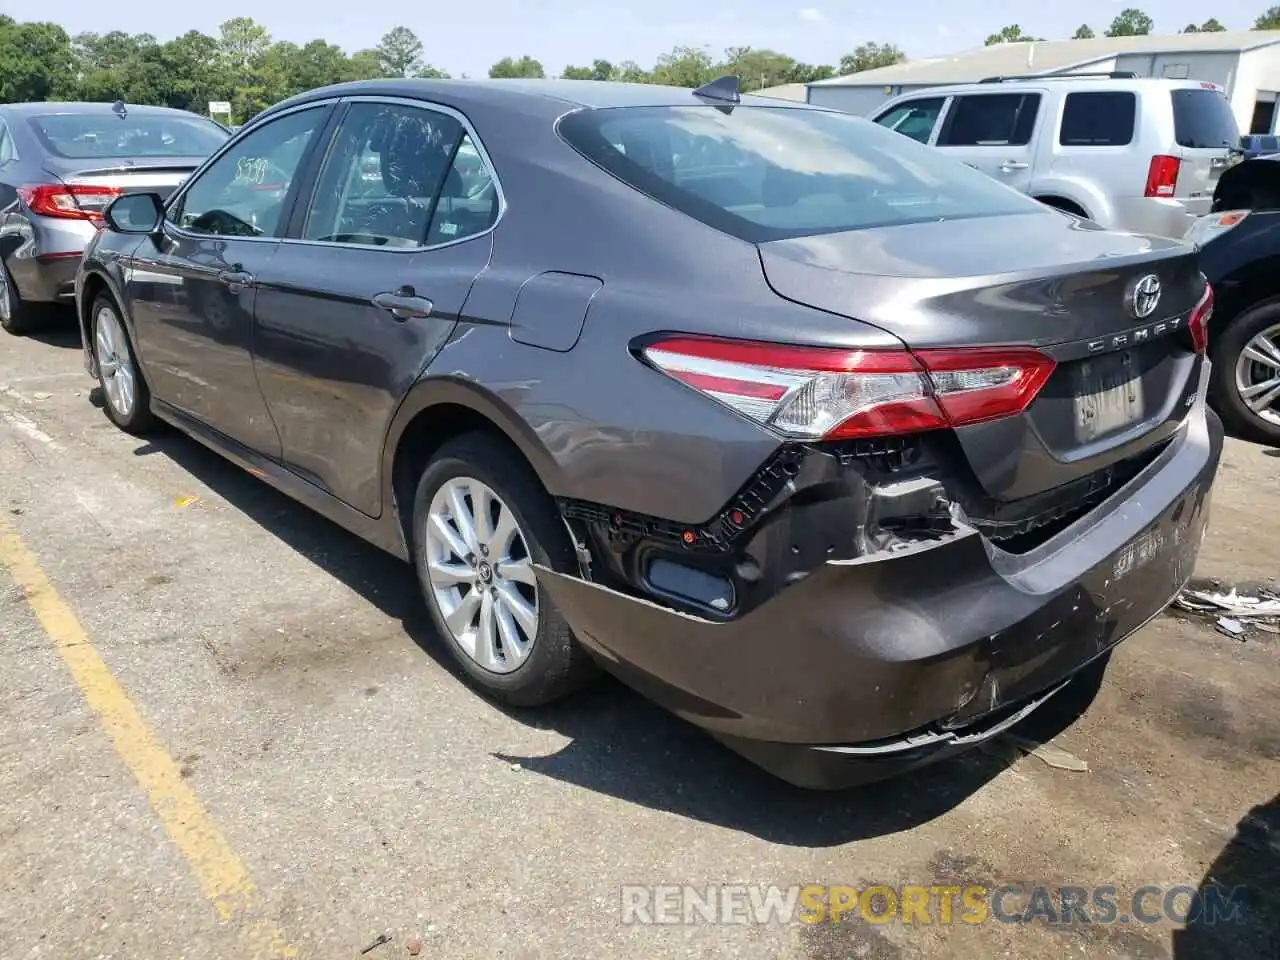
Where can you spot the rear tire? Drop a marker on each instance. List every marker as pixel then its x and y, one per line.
pixel 126 397
pixel 476 576
pixel 17 316
pixel 1227 377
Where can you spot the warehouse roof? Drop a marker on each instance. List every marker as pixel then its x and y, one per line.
pixel 1047 56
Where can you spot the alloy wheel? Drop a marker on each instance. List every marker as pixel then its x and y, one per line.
pixel 115 364
pixel 1258 375
pixel 481 575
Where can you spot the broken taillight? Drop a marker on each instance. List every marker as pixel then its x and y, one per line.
pixel 828 393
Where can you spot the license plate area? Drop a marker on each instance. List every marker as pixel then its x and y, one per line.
pixel 1108 396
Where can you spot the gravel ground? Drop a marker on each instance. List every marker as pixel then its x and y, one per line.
pixel 284 675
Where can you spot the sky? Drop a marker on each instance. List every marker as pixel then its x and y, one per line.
pixel 466 37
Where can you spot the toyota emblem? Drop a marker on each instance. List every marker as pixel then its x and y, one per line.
pixel 1144 296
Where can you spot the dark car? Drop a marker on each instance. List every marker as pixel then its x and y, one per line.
pixel 830 444
pixel 1240 253
pixel 60 165
pixel 1259 145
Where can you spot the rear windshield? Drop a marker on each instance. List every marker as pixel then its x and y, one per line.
pixel 76 136
pixel 773 173
pixel 1203 118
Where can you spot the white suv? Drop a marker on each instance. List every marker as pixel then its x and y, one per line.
pixel 1140 155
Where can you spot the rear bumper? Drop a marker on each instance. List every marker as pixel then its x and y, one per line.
pixel 871 666
pixel 43 265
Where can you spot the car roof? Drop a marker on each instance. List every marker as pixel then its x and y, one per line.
pixel 514 92
pixel 82 108
pixel 1064 82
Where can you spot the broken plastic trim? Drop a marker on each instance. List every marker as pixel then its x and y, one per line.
pixel 933 737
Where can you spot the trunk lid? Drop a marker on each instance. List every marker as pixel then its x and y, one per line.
pixel 160 175
pixel 1066 286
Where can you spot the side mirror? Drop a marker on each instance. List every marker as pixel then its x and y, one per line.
pixel 139 213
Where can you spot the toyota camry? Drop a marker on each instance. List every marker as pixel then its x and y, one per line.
pixel 832 445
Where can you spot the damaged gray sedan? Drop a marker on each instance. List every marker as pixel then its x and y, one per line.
pixel 832 445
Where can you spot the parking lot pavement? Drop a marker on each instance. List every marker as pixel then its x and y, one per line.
pixel 228 732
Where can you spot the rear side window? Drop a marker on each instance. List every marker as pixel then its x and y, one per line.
pixel 1102 119
pixel 1203 119
pixel 772 173
pixel 1269 143
pixel 991 120
pixel 75 136
pixel 914 119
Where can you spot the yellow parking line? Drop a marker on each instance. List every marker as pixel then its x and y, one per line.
pixel 220 873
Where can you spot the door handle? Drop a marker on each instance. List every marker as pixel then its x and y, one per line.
pixel 1010 165
pixel 404 303
pixel 236 277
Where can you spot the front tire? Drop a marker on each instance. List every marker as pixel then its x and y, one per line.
pixel 1246 374
pixel 126 397
pixel 480 521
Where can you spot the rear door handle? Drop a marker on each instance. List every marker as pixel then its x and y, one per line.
pixel 1011 165
pixel 404 303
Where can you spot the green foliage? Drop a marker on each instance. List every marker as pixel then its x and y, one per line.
pixel 526 67
pixel 1270 20
pixel 1011 34
pixel 1083 32
pixel 1130 22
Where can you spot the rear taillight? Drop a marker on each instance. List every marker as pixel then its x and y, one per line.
pixel 1198 322
pixel 67 201
pixel 821 393
pixel 1162 176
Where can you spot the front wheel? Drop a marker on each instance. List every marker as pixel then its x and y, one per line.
pixel 1246 374
pixel 125 393
pixel 481 520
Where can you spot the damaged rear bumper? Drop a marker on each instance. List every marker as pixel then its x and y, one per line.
pixel 870 666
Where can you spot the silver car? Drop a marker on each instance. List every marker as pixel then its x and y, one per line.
pixel 60 165
pixel 1132 154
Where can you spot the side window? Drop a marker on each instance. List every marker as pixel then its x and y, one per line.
pixel 469 201
pixel 242 193
pixel 914 119
pixel 991 120
pixel 1102 119
pixel 389 168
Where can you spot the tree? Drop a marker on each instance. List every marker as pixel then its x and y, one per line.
pixel 400 52
pixel 1083 32
pixel 1269 20
pixel 577 73
pixel 36 62
pixel 628 71
pixel 869 56
pixel 1010 34
pixel 756 69
pixel 243 41
pixel 808 73
pixel 526 67
pixel 1190 28
pixel 1212 25
pixel 1130 22
pixel 684 67
pixel 364 65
